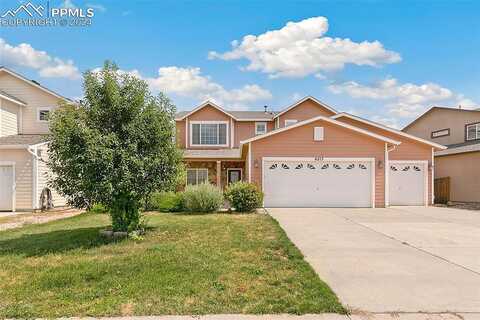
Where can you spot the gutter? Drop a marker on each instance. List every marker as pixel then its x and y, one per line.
pixel 33 151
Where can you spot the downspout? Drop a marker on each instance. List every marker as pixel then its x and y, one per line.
pixel 33 152
pixel 387 168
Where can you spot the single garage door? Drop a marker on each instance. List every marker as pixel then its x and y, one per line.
pixel 325 183
pixel 407 183
pixel 6 188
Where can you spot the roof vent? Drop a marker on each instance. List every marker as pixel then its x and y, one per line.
pixel 265 108
pixel 36 82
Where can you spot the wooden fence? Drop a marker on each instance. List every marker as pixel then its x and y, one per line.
pixel 442 190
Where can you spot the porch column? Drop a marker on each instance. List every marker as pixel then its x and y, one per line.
pixel 219 173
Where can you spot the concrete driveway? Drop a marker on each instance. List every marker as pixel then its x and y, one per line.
pixel 410 259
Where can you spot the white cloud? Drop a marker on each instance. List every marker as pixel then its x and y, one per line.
pixel 24 55
pixel 403 100
pixel 98 7
pixel 300 49
pixel 190 83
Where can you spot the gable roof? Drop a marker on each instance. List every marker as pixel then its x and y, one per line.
pixel 380 126
pixel 203 105
pixel 439 108
pixel 326 119
pixel 33 83
pixel 303 100
pixel 11 98
pixel 21 140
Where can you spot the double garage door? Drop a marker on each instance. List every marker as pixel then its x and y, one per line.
pixel 291 182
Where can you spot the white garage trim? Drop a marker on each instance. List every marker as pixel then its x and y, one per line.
pixel 433 177
pixel 371 160
pixel 14 186
pixel 425 174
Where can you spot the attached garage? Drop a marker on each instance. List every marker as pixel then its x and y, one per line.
pixel 408 183
pixel 306 182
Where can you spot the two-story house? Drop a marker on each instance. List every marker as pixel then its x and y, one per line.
pixel 307 155
pixel 24 109
pixel 459 130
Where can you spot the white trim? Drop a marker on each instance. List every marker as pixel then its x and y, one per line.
pixel 232 130
pixel 433 178
pixel 326 119
pixel 187 143
pixel 477 130
pixel 33 152
pixel 14 185
pixel 291 121
pixel 210 145
pixel 303 100
pixel 18 76
pixel 12 100
pixel 277 123
pixel 241 173
pixel 203 105
pixel 196 176
pixel 386 178
pixel 255 119
pixel 20 122
pixel 38 109
pixel 425 175
pixel 250 163
pixel 260 122
pixel 400 133
pixel 371 160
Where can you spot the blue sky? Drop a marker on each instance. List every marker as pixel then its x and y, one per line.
pixel 384 60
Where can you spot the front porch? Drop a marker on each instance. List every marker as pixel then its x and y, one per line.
pixel 216 172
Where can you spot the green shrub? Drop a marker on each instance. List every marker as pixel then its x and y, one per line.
pixel 166 201
pixel 202 198
pixel 98 208
pixel 244 196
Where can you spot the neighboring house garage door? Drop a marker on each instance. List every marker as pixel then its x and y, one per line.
pixel 6 187
pixel 408 183
pixel 304 182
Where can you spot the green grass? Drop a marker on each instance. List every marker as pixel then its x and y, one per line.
pixel 187 264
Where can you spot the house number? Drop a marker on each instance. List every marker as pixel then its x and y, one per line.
pixel 319 158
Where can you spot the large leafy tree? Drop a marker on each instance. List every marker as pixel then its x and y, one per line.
pixel 115 147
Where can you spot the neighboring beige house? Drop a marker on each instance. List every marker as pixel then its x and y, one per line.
pixel 24 109
pixel 307 155
pixel 459 130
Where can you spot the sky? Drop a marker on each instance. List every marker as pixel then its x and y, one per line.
pixel 387 61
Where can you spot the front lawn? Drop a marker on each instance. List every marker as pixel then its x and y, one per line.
pixel 187 264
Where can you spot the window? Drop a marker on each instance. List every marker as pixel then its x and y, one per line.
pixel 290 122
pixel 473 131
pixel 197 176
pixel 260 127
pixel 43 113
pixel 318 134
pixel 440 133
pixel 208 133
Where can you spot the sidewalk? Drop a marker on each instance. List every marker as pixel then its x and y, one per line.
pixel 324 316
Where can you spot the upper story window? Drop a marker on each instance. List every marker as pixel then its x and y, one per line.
pixel 260 128
pixel 472 131
pixel 209 133
pixel 43 113
pixel 440 133
pixel 289 122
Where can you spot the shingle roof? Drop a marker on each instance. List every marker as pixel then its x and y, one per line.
pixel 212 154
pixel 22 139
pixel 261 115
pixel 7 95
pixel 459 148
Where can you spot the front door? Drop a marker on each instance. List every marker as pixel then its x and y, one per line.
pixel 234 175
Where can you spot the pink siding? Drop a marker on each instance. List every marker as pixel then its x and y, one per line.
pixel 408 149
pixel 246 129
pixel 305 110
pixel 180 135
pixel 338 142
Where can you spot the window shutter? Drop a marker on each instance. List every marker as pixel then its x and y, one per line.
pixel 318 134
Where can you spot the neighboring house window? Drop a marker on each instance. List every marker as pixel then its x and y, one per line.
pixel 289 122
pixel 440 133
pixel 43 113
pixel 208 133
pixel 260 128
pixel 197 176
pixel 473 131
